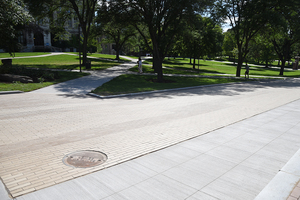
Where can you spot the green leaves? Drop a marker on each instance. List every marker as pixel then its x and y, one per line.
pixel 13 14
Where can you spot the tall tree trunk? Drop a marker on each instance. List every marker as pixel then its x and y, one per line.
pixel 240 64
pixel 117 52
pixel 194 63
pixel 84 51
pixel 84 43
pixel 267 64
pixel 282 67
pixel 117 55
pixel 157 64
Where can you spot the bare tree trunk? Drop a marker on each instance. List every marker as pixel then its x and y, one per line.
pixel 239 66
pixel 157 64
pixel 84 50
pixel 282 67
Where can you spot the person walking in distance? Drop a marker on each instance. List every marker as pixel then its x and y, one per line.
pixel 140 65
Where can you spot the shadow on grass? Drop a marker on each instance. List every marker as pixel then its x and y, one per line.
pixel 96 65
pixel 232 89
pixel 195 71
pixel 176 70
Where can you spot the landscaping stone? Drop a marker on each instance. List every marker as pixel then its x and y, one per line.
pixel 11 78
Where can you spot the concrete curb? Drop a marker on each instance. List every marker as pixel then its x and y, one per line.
pixel 283 183
pixel 157 91
pixel 11 92
pixel 166 90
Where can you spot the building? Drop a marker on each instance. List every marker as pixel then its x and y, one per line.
pixel 38 36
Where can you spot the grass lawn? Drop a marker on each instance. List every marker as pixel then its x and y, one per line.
pixel 138 83
pixel 22 54
pixel 207 67
pixel 105 56
pixel 135 83
pixel 26 87
pixel 61 62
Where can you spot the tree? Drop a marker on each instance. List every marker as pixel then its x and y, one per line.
pixel 111 24
pixel 285 31
pixel 163 21
pixel 13 15
pixel 192 38
pixel 212 37
pixel 83 10
pixel 246 19
pixel 229 43
pixel 261 49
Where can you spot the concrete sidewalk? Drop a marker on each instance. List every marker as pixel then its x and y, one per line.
pixel 84 85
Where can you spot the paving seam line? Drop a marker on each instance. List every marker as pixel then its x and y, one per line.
pixel 282 185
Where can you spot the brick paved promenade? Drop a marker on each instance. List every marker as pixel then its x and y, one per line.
pixel 38 129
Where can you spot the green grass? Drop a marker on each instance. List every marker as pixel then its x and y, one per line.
pixel 105 56
pixel 26 87
pixel 22 54
pixel 69 62
pixel 213 67
pixel 61 62
pixel 179 70
pixel 138 83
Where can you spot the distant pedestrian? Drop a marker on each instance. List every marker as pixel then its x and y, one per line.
pixel 247 71
pixel 140 65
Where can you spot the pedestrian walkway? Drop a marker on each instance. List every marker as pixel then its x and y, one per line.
pixel 221 142
pixel 234 162
pixel 84 85
pixel 218 142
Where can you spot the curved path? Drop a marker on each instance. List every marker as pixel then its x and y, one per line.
pixel 84 85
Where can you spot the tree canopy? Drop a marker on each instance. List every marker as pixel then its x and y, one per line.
pixel 162 18
pixel 246 18
pixel 13 15
pixel 110 24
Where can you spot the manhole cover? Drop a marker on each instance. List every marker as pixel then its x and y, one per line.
pixel 84 159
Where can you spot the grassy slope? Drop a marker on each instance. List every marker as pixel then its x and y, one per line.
pixel 22 54
pixel 61 62
pixel 138 83
pixel 26 87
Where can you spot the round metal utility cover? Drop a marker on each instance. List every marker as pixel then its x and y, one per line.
pixel 85 158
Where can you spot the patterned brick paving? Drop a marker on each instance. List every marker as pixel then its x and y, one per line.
pixel 295 194
pixel 37 130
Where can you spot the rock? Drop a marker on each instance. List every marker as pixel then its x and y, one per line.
pixel 11 78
